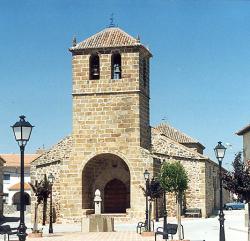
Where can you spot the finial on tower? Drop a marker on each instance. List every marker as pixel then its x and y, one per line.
pixel 111 24
pixel 74 41
pixel 138 38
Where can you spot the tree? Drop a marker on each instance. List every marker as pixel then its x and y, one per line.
pixel 238 181
pixel 41 192
pixel 156 192
pixel 174 179
pixel 153 191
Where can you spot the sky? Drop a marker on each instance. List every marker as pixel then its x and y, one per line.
pixel 200 68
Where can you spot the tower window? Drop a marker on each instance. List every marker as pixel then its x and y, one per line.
pixel 116 66
pixel 94 67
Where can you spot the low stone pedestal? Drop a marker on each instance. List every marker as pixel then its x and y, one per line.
pixel 98 223
pixel 147 234
pixel 35 235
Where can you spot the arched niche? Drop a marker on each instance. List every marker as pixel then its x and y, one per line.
pixel 105 172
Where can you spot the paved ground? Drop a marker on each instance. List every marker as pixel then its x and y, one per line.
pixel 195 229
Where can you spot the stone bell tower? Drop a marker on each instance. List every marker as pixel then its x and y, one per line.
pixel 111 88
pixel 111 133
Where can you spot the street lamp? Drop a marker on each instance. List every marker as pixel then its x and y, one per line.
pixel 51 179
pixel 165 228
pixel 22 130
pixel 220 153
pixel 146 177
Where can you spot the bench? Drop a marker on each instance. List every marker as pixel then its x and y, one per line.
pixel 6 229
pixel 141 225
pixel 171 230
pixel 193 212
pixel 4 219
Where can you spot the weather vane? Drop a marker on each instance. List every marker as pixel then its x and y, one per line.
pixel 111 24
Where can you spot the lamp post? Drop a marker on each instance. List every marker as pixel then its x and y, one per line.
pixel 22 130
pixel 146 177
pixel 51 179
pixel 220 153
pixel 165 228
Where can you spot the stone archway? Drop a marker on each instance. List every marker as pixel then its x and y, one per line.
pixel 16 198
pixel 110 172
pixel 115 195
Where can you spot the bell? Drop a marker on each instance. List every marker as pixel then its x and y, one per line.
pixel 117 69
pixel 95 71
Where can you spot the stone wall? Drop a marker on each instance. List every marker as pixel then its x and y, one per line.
pixel 213 188
pixel 194 197
pixel 1 187
pixel 51 162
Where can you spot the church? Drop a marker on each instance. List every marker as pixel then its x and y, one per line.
pixel 112 142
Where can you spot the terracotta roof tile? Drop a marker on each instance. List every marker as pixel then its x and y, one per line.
pixel 16 186
pixel 161 144
pixel 175 134
pixel 13 160
pixel 109 37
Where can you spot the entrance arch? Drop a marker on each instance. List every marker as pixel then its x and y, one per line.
pixel 115 195
pixel 16 198
pixel 110 174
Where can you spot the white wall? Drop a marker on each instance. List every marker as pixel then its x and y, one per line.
pixel 14 178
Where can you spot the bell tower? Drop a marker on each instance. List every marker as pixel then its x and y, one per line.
pixel 111 133
pixel 111 90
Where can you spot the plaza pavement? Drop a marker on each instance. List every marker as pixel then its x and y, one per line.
pixel 194 229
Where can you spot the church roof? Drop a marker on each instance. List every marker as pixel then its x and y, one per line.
pixel 57 153
pixel 176 135
pixel 163 145
pixel 108 37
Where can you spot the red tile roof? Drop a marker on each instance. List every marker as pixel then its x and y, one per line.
pixel 17 186
pixel 108 37
pixel 13 160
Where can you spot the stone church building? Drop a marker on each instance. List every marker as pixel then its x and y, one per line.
pixel 112 142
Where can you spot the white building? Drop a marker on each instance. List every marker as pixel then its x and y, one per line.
pixel 11 177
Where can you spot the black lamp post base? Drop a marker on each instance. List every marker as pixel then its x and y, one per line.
pixel 21 232
pixel 222 229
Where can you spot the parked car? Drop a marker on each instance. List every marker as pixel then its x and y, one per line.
pixel 234 206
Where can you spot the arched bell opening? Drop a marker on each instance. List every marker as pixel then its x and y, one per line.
pixel 111 175
pixel 116 66
pixel 94 67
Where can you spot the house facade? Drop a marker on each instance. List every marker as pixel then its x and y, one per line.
pixel 112 142
pixel 11 179
pixel 245 133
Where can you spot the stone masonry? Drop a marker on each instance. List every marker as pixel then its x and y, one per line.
pixel 111 143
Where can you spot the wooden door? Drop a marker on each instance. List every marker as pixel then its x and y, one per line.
pixel 115 195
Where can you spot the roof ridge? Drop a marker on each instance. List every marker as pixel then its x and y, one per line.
pixel 164 125
pixel 202 156
pixel 108 37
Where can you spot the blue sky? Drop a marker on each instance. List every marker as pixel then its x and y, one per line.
pixel 199 73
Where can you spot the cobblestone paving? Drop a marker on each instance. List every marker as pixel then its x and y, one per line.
pixel 114 236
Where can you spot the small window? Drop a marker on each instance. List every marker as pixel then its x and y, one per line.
pixel 116 66
pixel 94 67
pixel 6 177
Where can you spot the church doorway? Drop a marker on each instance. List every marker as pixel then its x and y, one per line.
pixel 111 175
pixel 115 194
